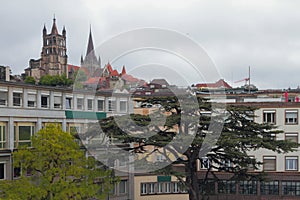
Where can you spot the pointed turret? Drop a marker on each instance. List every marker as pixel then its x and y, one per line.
pixel 81 60
pixel 64 32
pixel 44 30
pixel 123 70
pixel 54 28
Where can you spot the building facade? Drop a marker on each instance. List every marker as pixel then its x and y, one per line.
pixel 282 179
pixel 25 109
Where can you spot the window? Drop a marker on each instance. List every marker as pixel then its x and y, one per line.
pixel 226 164
pixel 248 187
pixel 291 163
pixel 57 101
pixel 17 172
pixel 269 116
pixel 269 163
pixel 160 187
pixel 2 171
pixel 17 99
pixel 291 117
pixel 3 98
pixel 151 188
pixel 23 134
pixel 227 187
pixel 167 187
pixel 269 188
pixel 80 104
pixel 204 162
pixel 90 104
pixel 123 187
pixel 100 105
pixel 68 103
pixel 175 187
pixel 207 187
pixel 123 106
pixel 2 136
pixel 31 100
pixel 292 137
pixel 290 188
pixel 45 101
pixel 160 158
pixel 111 105
pixel 143 188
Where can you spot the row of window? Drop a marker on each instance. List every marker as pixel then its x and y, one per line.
pixel 60 52
pixel 58 101
pixel 291 163
pixel 162 188
pixel 251 187
pixel 291 116
pixel 53 41
pixel 269 163
pixel 24 131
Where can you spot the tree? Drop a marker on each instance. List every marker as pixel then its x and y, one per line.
pixel 58 169
pixel 56 80
pixel 30 80
pixel 239 135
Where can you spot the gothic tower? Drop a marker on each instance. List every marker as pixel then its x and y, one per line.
pixel 54 57
pixel 90 61
pixel 54 53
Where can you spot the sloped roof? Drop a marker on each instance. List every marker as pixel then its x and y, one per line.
pixel 54 30
pixel 159 82
pixel 219 84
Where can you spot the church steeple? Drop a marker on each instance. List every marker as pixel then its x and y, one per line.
pixel 90 61
pixel 90 47
pixel 54 28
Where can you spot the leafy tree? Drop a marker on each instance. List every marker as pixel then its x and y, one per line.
pixel 59 170
pixel 80 76
pixel 240 134
pixel 30 80
pixel 56 80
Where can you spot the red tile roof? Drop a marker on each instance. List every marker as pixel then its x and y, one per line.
pixel 114 73
pixel 219 84
pixel 73 67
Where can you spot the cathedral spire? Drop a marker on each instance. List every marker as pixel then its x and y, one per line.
pixel 54 28
pixel 90 47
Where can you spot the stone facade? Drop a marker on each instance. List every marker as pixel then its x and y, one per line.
pixel 54 57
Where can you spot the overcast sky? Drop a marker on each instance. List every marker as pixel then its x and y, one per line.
pixel 235 34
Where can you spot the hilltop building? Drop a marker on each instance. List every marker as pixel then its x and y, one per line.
pixel 90 60
pixel 54 57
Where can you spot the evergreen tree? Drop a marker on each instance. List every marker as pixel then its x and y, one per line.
pixel 239 135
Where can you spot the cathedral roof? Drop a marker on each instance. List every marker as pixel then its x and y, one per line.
pixel 54 28
pixel 90 47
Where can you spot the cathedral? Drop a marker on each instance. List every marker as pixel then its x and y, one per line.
pixel 54 57
pixel 90 62
pixel 54 61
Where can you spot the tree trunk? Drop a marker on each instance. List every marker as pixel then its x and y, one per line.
pixel 192 179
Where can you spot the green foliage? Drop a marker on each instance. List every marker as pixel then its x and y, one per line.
pixel 59 168
pixel 240 135
pixel 56 80
pixel 30 80
pixel 80 76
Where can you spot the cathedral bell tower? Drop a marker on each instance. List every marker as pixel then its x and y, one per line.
pixel 54 52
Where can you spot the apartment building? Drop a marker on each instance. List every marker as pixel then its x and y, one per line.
pixel 282 170
pixel 25 109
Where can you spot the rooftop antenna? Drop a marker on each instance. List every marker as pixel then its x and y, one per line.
pixel 249 91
